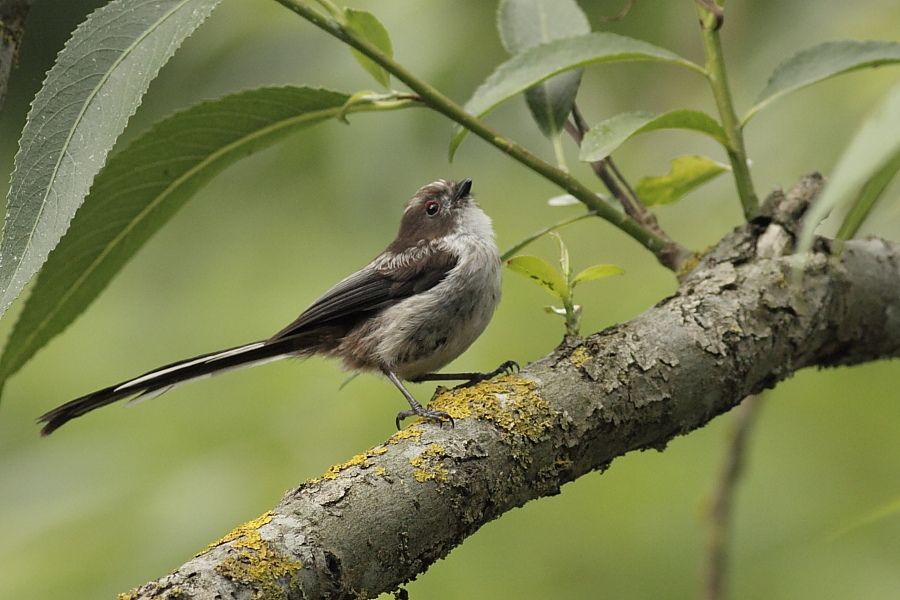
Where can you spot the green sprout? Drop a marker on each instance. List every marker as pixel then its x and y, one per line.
pixel 561 284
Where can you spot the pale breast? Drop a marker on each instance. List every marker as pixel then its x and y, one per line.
pixel 425 332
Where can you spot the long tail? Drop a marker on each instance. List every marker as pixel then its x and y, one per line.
pixel 159 380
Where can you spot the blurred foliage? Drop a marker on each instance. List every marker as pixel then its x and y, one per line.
pixel 110 502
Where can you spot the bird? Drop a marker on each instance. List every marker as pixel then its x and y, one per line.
pixel 406 314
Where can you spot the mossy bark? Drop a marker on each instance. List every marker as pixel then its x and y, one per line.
pixel 746 317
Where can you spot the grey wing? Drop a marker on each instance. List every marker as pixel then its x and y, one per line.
pixel 370 290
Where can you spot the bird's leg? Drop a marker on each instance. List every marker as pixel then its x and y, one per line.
pixel 415 409
pixel 506 368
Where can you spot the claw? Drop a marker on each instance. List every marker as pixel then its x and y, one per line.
pixel 507 368
pixel 426 413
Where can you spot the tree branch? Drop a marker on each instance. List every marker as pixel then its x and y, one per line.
pixel 735 327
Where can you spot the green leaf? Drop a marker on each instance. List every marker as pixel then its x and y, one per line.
pixel 89 95
pixel 687 173
pixel 143 186
pixel 597 272
pixel 367 26
pixel 527 23
pixel 540 271
pixel 871 152
pixel 537 64
pixel 823 62
pixel 606 136
pixel 867 199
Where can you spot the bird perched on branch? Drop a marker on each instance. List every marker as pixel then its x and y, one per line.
pixel 414 308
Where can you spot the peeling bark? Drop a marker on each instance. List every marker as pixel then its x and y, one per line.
pixel 746 317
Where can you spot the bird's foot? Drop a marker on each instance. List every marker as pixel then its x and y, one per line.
pixel 507 368
pixel 428 414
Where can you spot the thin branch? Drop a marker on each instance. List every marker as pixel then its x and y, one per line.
pixel 718 82
pixel 722 500
pixel 618 186
pixel 384 516
pixel 433 98
pixel 12 30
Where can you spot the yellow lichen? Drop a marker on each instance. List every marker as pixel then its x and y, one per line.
pixel 579 357
pixel 360 460
pixel 257 563
pixel 428 466
pixel 240 531
pixel 510 402
pixel 413 432
pixel 381 471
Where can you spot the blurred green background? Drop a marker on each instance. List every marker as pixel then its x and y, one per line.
pixel 112 500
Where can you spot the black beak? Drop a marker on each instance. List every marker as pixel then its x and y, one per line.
pixel 463 187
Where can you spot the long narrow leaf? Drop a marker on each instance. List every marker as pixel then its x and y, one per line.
pixel 533 66
pixel 606 136
pixel 823 62
pixel 524 24
pixel 144 185
pixel 876 145
pixel 89 95
pixel 867 199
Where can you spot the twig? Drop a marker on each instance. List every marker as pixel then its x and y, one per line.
pixel 618 186
pixel 718 82
pixel 722 499
pixel 715 10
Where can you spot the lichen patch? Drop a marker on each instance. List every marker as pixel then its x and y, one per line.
pixel 510 402
pixel 579 357
pixel 428 465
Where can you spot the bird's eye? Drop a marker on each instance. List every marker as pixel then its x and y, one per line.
pixel 432 207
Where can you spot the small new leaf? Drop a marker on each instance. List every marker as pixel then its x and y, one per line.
pixel 367 26
pixel 686 174
pixel 540 271
pixel 597 272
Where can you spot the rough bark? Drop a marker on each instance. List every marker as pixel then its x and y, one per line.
pixel 12 29
pixel 747 316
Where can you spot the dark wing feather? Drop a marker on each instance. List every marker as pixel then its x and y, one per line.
pixel 370 290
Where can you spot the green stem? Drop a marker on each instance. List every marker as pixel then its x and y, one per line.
pixel 660 247
pixel 718 81
pixel 544 231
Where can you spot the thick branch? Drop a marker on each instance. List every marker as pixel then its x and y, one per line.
pixel 736 326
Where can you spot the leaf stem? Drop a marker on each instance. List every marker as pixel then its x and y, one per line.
pixel 718 82
pixel 544 231
pixel 433 98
